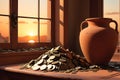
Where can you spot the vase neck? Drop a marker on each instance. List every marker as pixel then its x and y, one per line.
pixel 102 22
pixel 98 23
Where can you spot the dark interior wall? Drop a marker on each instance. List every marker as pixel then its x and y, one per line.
pixel 75 11
pixel 78 10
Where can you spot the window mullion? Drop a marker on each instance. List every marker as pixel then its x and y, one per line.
pixel 38 20
pixel 13 23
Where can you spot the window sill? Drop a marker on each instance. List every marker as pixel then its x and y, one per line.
pixel 18 57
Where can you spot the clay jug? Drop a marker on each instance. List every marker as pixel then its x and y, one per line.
pixel 98 40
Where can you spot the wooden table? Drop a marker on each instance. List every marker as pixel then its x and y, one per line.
pixel 13 72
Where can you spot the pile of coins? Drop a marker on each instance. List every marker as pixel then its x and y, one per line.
pixel 63 60
pixel 57 59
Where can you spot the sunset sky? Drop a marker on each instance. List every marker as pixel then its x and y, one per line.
pixel 112 10
pixel 29 26
pixel 25 26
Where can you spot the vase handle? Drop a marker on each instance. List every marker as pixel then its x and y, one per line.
pixel 116 27
pixel 82 24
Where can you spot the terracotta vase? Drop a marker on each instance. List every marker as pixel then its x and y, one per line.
pixel 98 40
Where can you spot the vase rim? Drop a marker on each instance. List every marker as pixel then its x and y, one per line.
pixel 96 18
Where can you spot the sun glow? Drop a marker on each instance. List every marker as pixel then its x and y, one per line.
pixel 31 34
pixel 31 41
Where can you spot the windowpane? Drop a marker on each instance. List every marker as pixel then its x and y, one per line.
pixel 4 7
pixel 28 8
pixel 4 30
pixel 45 8
pixel 112 10
pixel 45 31
pixel 27 30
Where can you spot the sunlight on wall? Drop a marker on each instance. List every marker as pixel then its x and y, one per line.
pixel 61 22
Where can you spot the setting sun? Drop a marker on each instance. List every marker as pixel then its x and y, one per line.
pixel 31 41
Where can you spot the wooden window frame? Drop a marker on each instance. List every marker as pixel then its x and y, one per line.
pixel 13 12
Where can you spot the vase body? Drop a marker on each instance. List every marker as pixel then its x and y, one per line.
pixel 98 40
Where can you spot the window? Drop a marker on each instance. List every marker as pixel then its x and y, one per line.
pixel 4 22
pixel 24 24
pixel 112 10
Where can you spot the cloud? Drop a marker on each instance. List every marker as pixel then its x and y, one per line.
pixel 113 13
pixel 22 22
pixel 4 22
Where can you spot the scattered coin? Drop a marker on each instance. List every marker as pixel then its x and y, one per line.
pixel 57 48
pixel 52 57
pixel 78 68
pixel 44 56
pixel 62 60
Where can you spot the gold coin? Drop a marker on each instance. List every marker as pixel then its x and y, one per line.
pixel 63 60
pixel 52 57
pixel 40 61
pixel 53 67
pixel 49 67
pixel 55 62
pixel 35 67
pixel 44 56
pixel 49 61
pixel 43 67
pixel 57 48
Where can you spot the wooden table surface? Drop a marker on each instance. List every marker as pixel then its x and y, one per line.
pixel 90 75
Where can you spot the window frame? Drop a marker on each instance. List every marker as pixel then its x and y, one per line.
pixel 13 12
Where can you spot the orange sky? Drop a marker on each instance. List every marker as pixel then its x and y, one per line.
pixel 25 26
pixel 29 27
